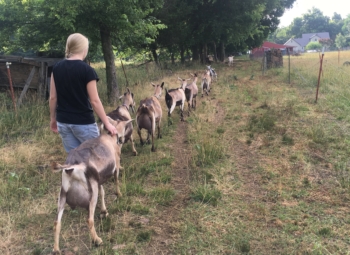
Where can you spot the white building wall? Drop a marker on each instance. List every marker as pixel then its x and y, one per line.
pixel 296 46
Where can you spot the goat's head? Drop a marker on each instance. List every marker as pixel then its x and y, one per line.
pixel 183 82
pixel 128 100
pixel 120 126
pixel 158 89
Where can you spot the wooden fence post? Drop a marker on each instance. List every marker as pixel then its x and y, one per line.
pixel 319 75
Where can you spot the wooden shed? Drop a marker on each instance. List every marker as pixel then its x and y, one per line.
pixel 27 73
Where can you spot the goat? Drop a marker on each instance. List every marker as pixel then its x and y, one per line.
pixel 122 113
pixel 206 81
pixel 128 100
pixel 87 167
pixel 191 91
pixel 230 60
pixel 175 97
pixel 346 63
pixel 149 114
pixel 213 74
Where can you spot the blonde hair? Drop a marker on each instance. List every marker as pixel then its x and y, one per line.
pixel 76 43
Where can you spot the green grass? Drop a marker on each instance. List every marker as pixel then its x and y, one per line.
pixel 267 169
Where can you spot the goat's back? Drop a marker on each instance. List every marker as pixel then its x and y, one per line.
pixel 100 152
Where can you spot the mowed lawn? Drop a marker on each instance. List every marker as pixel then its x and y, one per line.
pixel 264 168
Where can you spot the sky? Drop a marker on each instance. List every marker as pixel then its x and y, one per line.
pixel 327 7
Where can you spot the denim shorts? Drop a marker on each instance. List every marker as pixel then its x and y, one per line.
pixel 73 135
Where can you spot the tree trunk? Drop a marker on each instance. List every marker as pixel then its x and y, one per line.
pixel 215 53
pixel 155 56
pixel 205 53
pixel 172 58
pixel 195 53
pixel 111 72
pixel 222 52
pixel 182 54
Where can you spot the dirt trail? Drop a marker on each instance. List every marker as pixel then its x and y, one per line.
pixel 167 218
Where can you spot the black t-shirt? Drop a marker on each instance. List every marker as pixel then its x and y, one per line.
pixel 73 104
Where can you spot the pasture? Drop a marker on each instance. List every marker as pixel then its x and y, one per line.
pixel 258 168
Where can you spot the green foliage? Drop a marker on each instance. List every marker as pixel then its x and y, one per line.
pixel 313 46
pixel 340 41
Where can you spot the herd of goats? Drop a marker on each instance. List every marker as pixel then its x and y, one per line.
pixel 91 164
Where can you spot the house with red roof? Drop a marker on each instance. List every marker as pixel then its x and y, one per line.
pixel 266 46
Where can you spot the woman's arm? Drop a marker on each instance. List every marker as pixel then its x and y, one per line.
pixel 53 105
pixel 98 107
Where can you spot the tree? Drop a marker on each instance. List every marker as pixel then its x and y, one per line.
pixel 313 46
pixel 106 22
pixel 340 41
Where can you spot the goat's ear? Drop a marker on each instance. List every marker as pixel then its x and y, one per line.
pixel 153 84
pixel 179 78
pixel 121 97
pixel 162 84
pixel 132 95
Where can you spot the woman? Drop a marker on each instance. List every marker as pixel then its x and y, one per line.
pixel 74 96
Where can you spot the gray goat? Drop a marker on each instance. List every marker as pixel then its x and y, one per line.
pixel 87 167
pixel 149 114
pixel 122 113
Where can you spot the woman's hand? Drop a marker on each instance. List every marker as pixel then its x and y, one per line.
pixel 53 126
pixel 111 128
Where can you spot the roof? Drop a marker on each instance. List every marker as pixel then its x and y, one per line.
pixel 305 39
pixel 32 61
pixel 270 45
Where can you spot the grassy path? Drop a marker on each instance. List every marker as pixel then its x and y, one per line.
pixel 166 219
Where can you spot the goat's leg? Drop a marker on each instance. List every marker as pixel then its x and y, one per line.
pixel 139 133
pixel 103 213
pixel 182 110
pixel 116 177
pixel 133 145
pixel 171 109
pixel 158 126
pixel 152 135
pixel 92 207
pixel 148 141
pixel 57 225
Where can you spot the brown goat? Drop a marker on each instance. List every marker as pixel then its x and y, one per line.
pixel 122 113
pixel 206 81
pixel 176 97
pixel 87 167
pixel 191 92
pixel 128 100
pixel 149 114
